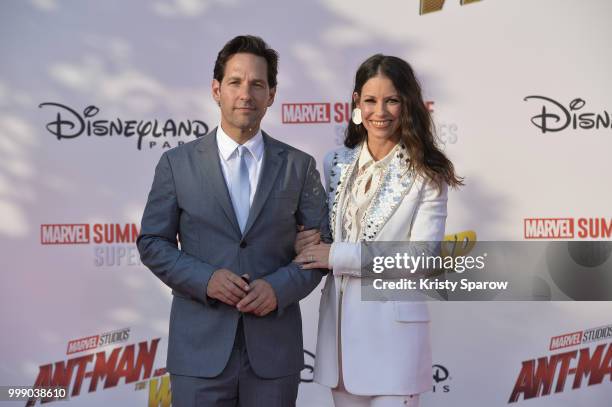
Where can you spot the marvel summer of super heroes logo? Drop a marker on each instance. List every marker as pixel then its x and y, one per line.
pixel 320 112
pixel 567 228
pixel 114 243
pixel 587 366
pixel 339 114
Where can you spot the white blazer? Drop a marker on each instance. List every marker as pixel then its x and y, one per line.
pixel 386 346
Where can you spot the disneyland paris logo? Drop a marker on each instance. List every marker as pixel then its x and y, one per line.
pixel 554 116
pixel 70 124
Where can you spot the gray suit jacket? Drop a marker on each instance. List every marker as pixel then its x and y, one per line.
pixel 189 198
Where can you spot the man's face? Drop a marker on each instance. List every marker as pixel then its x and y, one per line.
pixel 243 94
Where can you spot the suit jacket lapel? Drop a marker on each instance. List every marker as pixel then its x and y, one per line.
pixel 343 165
pixel 272 163
pixel 397 181
pixel 212 174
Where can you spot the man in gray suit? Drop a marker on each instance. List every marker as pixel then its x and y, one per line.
pixel 233 199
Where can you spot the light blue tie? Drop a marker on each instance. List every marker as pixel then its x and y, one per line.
pixel 240 187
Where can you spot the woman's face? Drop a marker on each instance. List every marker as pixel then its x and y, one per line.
pixel 381 107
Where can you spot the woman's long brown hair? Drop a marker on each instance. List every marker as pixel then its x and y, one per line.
pixel 416 125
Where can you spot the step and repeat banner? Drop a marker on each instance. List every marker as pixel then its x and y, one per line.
pixel 93 92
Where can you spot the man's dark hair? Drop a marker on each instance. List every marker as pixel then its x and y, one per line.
pixel 249 44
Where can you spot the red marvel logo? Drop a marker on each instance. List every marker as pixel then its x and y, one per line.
pixel 563 341
pixel 64 234
pixel 306 113
pixel 549 228
pixel 83 344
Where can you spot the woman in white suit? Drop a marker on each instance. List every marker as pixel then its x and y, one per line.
pixel 388 183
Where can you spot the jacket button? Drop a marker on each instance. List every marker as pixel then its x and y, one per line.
pixel 243 244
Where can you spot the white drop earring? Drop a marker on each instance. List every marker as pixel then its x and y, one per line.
pixel 356 116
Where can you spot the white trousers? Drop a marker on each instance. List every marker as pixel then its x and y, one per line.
pixel 344 399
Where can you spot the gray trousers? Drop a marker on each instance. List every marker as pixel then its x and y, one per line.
pixel 236 386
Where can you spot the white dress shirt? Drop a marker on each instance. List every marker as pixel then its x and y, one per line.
pixel 228 150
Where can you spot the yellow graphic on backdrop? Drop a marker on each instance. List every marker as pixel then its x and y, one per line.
pixel 458 244
pixel 429 6
pixel 160 395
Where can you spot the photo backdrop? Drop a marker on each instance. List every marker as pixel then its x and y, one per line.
pixel 93 92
